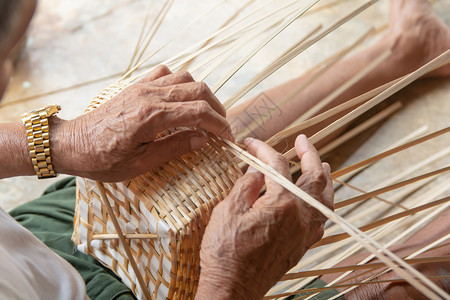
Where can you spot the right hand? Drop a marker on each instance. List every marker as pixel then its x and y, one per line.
pixel 251 242
pixel 119 140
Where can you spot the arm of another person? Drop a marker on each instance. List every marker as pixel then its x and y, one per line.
pixel 119 140
pixel 251 241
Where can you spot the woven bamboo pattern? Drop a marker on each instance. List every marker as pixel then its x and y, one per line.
pixel 173 201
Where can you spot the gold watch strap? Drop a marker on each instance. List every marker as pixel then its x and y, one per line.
pixel 38 137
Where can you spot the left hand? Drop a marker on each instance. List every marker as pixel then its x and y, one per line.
pixel 120 139
pixel 251 242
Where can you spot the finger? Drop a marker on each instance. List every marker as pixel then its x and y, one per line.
pixel 173 79
pixel 246 191
pixel 313 179
pixel 271 157
pixel 328 192
pixel 193 91
pixel 309 157
pixel 169 147
pixel 159 72
pixel 192 114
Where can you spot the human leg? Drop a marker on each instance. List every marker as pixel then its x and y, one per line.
pixel 415 36
pixel 428 234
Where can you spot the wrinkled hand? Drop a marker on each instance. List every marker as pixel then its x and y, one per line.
pixel 119 140
pixel 251 242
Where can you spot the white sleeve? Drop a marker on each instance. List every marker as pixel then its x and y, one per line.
pixel 30 270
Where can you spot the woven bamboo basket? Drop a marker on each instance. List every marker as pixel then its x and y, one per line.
pixel 173 202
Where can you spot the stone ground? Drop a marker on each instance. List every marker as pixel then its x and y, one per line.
pixel 77 42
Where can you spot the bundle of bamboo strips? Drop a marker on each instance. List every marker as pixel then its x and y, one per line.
pixel 148 230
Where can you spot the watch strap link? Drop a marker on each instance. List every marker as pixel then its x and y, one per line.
pixel 38 139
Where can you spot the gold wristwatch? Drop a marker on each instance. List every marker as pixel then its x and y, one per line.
pixel 38 137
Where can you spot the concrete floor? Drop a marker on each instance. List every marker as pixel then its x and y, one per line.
pixel 76 42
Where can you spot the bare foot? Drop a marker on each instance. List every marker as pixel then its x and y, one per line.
pixel 420 34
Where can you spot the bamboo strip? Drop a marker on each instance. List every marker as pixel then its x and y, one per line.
pixel 388 188
pixel 427 287
pixel 321 67
pixel 377 157
pixel 200 43
pixel 291 130
pixel 202 50
pixel 421 165
pixel 187 57
pixel 413 135
pixel 397 238
pixel 424 249
pixel 260 45
pixel 326 6
pixel 435 192
pixel 139 64
pixel 361 74
pixel 127 236
pixel 439 61
pixel 360 128
pixel 232 47
pixel 122 239
pixel 219 58
pixel 433 245
pixel 186 66
pixel 418 166
pixel 240 45
pixel 339 254
pixel 371 266
pixel 282 61
pixel 356 284
pixel 155 26
pixel 141 35
pixel 392 204
pixel 435 63
pixel 312 32
pixel 338 237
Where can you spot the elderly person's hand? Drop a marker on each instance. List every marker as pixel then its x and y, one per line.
pixel 119 140
pixel 251 242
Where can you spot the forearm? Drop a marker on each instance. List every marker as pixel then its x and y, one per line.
pixel 14 152
pixel 14 156
pixel 399 63
pixel 219 289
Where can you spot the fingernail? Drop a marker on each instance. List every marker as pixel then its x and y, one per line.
pixel 303 137
pixel 248 140
pixel 198 142
pixel 251 170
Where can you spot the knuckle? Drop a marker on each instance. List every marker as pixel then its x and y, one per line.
pixel 203 108
pixel 318 180
pixel 185 75
pixel 320 231
pixel 203 87
pixel 162 69
pixel 202 90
